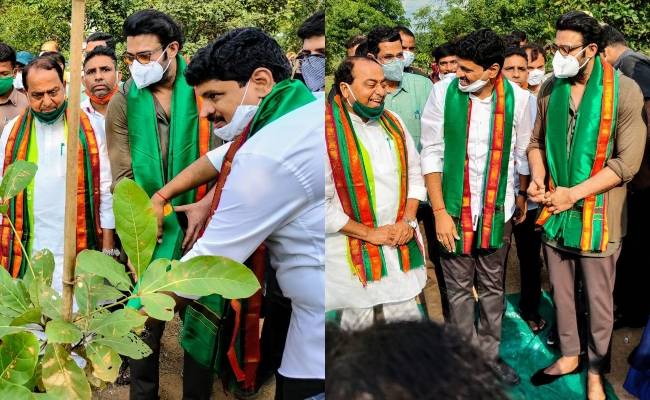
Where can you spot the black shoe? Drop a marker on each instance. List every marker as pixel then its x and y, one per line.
pixel 505 373
pixel 542 378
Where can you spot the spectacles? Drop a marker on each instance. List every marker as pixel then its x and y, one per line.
pixel 143 57
pixel 565 50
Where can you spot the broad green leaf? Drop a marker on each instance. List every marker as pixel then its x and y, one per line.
pixel 43 266
pixel 130 345
pixel 62 375
pixel 155 276
pixel 90 290
pixel 12 391
pixel 106 362
pixel 4 207
pixel 135 223
pixel 206 275
pixel 7 329
pixel 97 263
pixel 16 178
pixel 14 298
pixel 31 316
pixel 159 306
pixel 59 331
pixel 51 302
pixel 117 323
pixel 18 357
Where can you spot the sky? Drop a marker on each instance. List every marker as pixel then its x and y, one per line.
pixel 411 6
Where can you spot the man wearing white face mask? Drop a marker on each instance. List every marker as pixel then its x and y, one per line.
pixel 536 70
pixel 470 154
pixel 409 48
pixel 153 132
pixel 587 144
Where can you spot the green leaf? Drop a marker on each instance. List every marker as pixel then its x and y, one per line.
pixel 12 391
pixel 16 178
pixel 7 329
pixel 50 301
pixel 106 361
pixel 59 331
pixel 117 323
pixel 155 275
pixel 206 275
pixel 135 223
pixel 62 375
pixel 90 290
pixel 31 316
pixel 43 266
pixel 4 207
pixel 14 298
pixel 97 263
pixel 159 306
pixel 18 357
pixel 130 345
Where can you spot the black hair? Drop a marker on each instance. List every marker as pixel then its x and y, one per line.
pixel 611 35
pixel 344 71
pixel 406 360
pixel 535 51
pixel 313 26
pixel 515 51
pixel 101 51
pixel 405 30
pixel 582 23
pixel 235 55
pixel 519 35
pixel 510 41
pixel 155 23
pixel 102 37
pixel 354 41
pixel 7 54
pixel 444 50
pixel 380 34
pixel 56 56
pixel 43 62
pixel 483 47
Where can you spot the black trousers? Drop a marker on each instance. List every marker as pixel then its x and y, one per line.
pixel 425 215
pixel 297 389
pixel 529 245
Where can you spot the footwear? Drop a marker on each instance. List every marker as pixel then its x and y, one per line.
pixel 542 378
pixel 505 373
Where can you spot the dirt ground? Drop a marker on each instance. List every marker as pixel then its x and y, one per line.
pixel 171 359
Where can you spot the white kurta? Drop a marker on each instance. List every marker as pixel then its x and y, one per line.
pixel 343 288
pixel 275 194
pixel 478 146
pixel 49 190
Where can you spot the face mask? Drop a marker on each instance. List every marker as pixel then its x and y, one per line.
pixel 18 81
pixel 566 67
pixel 101 100
pixel 242 116
pixel 450 75
pixel 51 117
pixel 535 77
pixel 409 57
pixel 394 70
pixel 148 74
pixel 364 111
pixel 313 72
pixel 472 87
pixel 6 84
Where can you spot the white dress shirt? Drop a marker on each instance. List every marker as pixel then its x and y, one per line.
pixel 49 190
pixel 343 288
pixel 275 194
pixel 532 105
pixel 478 147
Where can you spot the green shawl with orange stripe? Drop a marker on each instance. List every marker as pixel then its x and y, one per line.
pixel 455 177
pixel 88 196
pixel 351 172
pixel 584 226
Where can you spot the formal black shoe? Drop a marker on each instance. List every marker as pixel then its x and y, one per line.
pixel 542 378
pixel 505 373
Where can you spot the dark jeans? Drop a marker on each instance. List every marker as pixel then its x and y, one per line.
pixel 297 389
pixel 529 246
pixel 425 215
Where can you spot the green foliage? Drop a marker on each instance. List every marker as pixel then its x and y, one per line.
pixel 18 357
pixel 16 178
pixel 62 375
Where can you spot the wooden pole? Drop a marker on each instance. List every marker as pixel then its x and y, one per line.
pixel 74 101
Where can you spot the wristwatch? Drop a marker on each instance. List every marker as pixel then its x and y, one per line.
pixel 413 223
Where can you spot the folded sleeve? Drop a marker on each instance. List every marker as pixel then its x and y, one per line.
pixel 432 140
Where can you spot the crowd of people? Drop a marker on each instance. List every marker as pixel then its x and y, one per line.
pixel 487 145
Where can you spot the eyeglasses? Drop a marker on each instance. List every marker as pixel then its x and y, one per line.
pixel 143 57
pixel 565 50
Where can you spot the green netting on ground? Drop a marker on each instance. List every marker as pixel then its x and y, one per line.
pixel 527 353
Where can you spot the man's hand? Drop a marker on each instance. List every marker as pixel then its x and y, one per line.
pixel 197 213
pixel 521 209
pixel 404 232
pixel 446 230
pixel 537 190
pixel 561 199
pixel 384 235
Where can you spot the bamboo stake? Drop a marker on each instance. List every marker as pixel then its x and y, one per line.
pixel 70 244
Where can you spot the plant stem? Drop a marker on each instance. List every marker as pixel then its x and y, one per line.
pixel 22 248
pixel 106 307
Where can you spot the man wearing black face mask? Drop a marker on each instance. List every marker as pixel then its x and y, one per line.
pixel 587 144
pixel 312 56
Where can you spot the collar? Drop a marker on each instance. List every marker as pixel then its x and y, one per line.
pixel 487 100
pixel 12 98
pixel 624 54
pixel 357 120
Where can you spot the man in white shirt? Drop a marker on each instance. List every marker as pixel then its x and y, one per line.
pixel 469 156
pixel 274 191
pixel 374 265
pixel 39 135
